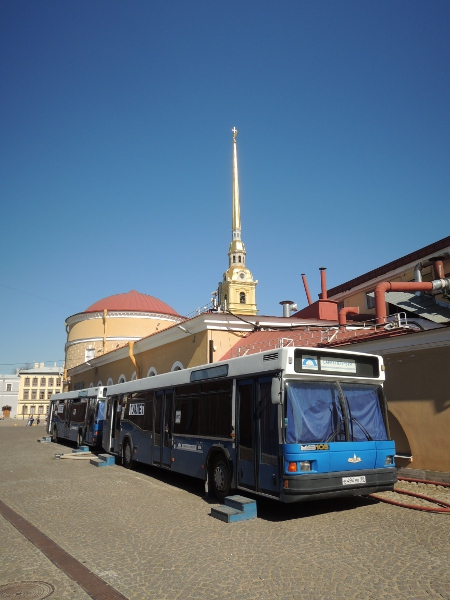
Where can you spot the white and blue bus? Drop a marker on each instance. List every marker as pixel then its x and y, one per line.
pixel 293 424
pixel 78 416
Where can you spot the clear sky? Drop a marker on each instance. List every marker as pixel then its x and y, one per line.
pixel 116 148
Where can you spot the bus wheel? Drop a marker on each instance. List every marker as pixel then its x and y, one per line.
pixel 221 479
pixel 127 456
pixel 55 435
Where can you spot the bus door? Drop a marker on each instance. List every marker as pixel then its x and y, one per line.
pixel 89 419
pixel 111 425
pixel 246 476
pixel 162 437
pixel 51 412
pixel 258 445
pixel 68 414
pixel 268 448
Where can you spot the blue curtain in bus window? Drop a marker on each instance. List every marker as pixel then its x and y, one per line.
pixel 364 412
pixel 313 412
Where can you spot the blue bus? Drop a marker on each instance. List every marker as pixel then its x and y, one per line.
pixel 78 416
pixel 293 424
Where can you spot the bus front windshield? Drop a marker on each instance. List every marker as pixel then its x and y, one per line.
pixel 333 412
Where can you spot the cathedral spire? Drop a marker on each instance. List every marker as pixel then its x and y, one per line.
pixel 236 217
pixel 237 289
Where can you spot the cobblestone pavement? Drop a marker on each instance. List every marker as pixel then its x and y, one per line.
pixel 149 535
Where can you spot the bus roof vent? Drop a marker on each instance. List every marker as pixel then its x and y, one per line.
pixel 272 356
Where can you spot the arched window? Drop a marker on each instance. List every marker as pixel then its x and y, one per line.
pixel 122 379
pixel 152 372
pixel 242 298
pixel 91 384
pixel 177 366
pixel 99 383
pixel 234 259
pixel 110 381
pixel 133 377
pixel 239 258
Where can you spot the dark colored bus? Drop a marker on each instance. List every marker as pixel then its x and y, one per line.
pixel 78 416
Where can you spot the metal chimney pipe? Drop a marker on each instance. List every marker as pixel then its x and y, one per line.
pixel 418 276
pixel 305 285
pixel 324 282
pixel 286 304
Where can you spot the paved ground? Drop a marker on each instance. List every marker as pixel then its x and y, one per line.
pixel 149 535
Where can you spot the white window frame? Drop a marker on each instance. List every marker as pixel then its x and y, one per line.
pixel 177 366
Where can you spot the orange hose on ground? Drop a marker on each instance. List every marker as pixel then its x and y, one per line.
pixel 435 509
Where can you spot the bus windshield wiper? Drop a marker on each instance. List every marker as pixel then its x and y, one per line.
pixel 363 429
pixel 336 431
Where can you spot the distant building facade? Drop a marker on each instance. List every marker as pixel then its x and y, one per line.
pixel 9 395
pixel 36 386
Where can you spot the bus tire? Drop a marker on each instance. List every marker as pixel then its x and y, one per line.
pixel 127 455
pixel 55 435
pixel 221 477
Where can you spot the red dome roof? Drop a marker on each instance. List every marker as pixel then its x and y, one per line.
pixel 132 301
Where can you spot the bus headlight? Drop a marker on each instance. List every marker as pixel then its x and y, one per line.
pixel 389 460
pixel 305 465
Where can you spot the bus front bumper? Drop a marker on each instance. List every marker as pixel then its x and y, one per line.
pixel 312 486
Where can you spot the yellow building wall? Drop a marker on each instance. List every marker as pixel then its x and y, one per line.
pixel 116 327
pixel 190 351
pixel 418 392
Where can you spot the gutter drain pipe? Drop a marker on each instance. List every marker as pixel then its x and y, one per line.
pixel 133 359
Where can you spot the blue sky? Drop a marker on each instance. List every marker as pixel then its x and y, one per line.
pixel 116 146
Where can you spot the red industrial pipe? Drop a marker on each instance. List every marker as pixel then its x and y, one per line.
pixel 439 269
pixel 305 285
pixel 344 312
pixel 403 286
pixel 324 282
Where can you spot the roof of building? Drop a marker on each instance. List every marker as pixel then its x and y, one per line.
pixel 132 301
pixel 416 256
pixel 263 341
pixel 41 371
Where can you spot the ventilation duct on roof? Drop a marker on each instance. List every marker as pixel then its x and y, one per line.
pixel 288 306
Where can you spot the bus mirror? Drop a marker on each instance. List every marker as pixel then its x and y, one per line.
pixel 276 392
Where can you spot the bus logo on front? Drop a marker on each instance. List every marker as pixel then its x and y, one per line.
pixel 310 363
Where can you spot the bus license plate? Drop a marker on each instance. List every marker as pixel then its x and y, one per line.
pixel 353 480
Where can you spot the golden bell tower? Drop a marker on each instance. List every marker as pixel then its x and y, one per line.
pixel 237 293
